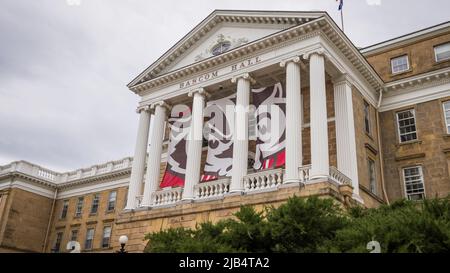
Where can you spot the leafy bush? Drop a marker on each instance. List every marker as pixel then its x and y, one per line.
pixel 316 225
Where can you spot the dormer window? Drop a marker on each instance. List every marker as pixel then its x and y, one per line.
pixel 221 48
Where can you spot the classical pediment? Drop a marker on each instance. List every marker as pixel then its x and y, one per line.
pixel 222 31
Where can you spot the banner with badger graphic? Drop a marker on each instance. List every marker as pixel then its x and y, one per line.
pixel 270 103
pixel 218 132
pixel 179 122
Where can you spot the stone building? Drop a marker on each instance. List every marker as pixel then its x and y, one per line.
pixel 362 126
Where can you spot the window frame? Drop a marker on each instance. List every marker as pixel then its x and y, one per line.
pixel 435 53
pixel 368 126
pixel 64 209
pixel 109 238
pixel 420 168
pixel 447 125
pixel 58 241
pixel 96 202
pixel 79 206
pixel 91 240
pixel 72 233
pixel 108 209
pixel 398 125
pixel 408 66
pixel 372 186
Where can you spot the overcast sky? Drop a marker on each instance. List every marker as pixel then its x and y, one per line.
pixel 64 103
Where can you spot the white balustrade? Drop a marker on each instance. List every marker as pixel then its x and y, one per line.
pixel 212 189
pixel 139 200
pixel 339 177
pixel 304 173
pixel 47 174
pixel 167 196
pixel 263 180
pixel 102 169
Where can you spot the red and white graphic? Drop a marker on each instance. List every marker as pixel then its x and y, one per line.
pixel 270 103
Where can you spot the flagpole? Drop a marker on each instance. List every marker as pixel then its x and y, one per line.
pixel 342 19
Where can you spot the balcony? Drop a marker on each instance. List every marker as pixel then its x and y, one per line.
pixel 256 182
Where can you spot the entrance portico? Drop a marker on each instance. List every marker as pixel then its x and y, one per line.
pixel 306 58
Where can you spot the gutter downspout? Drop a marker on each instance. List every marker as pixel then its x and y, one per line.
pixel 50 221
pixel 383 186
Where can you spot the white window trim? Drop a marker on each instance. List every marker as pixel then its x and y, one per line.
pixel 398 126
pixel 404 180
pixel 92 240
pixel 435 53
pixel 407 64
pixel 445 116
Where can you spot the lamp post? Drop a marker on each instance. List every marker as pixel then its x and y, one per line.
pixel 123 241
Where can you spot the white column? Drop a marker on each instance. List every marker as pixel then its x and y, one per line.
pixel 345 132
pixel 319 122
pixel 154 158
pixel 194 155
pixel 293 120
pixel 240 132
pixel 140 152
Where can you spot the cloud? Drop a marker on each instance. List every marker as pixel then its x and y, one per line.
pixel 373 2
pixel 64 68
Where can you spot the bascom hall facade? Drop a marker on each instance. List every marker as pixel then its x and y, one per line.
pixel 251 108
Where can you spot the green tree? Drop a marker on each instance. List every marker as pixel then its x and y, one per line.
pixel 316 225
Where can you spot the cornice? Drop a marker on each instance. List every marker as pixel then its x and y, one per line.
pixel 216 18
pixel 430 79
pixel 320 26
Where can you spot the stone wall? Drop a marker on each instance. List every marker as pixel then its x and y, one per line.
pixel 420 54
pixel 24 221
pixel 98 221
pixel 431 150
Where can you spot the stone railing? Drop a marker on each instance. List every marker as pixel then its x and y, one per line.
pixel 263 180
pixel 31 170
pixel 339 177
pixel 139 199
pixel 167 196
pixel 212 189
pixel 304 173
pixel 56 177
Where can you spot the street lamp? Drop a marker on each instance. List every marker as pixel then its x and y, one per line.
pixel 123 241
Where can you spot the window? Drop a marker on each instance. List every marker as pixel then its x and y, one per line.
pixel 95 202
pixel 400 64
pixel 79 208
pixel 65 207
pixel 407 125
pixel 414 186
pixel 367 117
pixel 220 48
pixel 74 235
pixel 442 52
pixel 106 237
pixel 446 106
pixel 89 238
pixel 112 200
pixel 58 240
pixel 372 179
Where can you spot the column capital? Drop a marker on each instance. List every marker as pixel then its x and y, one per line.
pixel 317 51
pixel 295 59
pixel 343 79
pixel 245 76
pixel 143 108
pixel 161 104
pixel 201 91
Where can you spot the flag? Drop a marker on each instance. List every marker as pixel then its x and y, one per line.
pixel 341 4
